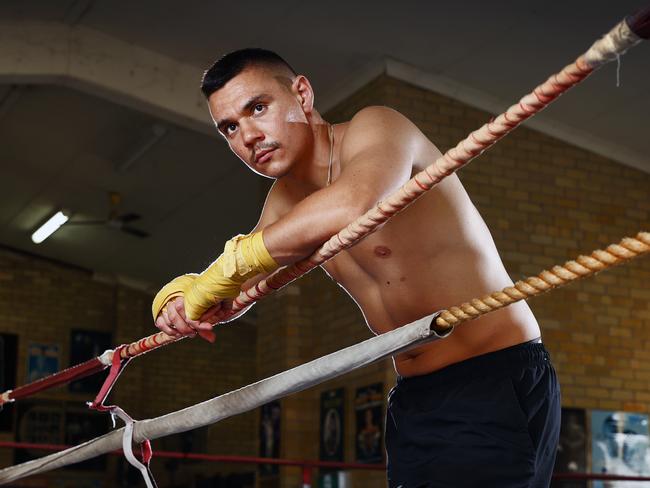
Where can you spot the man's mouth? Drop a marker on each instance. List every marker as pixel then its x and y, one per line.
pixel 264 155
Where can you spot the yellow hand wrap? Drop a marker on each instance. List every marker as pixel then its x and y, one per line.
pixel 243 257
pixel 175 288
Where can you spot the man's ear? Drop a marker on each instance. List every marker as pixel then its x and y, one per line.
pixel 304 93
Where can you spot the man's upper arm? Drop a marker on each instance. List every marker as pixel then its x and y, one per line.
pixel 272 209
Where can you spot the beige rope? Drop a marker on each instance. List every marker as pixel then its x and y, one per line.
pixel 581 267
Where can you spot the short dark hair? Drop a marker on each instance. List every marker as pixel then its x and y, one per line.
pixel 231 64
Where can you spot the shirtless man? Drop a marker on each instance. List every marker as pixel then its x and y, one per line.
pixel 479 408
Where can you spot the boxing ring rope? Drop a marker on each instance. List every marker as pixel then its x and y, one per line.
pixel 624 35
pixel 612 45
pixel 306 375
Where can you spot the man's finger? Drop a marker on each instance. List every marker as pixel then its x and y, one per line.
pixel 191 323
pixel 169 326
pixel 212 318
pixel 179 324
pixel 208 335
pixel 179 305
pixel 211 312
pixel 160 323
pixel 204 325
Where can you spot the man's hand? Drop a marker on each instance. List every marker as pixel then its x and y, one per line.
pixel 173 321
pixel 243 257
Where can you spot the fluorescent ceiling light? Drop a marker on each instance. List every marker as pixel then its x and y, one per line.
pixel 49 227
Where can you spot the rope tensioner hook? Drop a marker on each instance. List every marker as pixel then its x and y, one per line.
pixel 640 23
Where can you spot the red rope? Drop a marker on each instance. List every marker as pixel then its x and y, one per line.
pixel 79 371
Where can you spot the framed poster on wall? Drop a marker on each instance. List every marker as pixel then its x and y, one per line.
pixel 619 445
pixel 270 415
pixel 56 422
pixel 368 406
pixel 8 374
pixel 37 422
pixel 332 430
pixel 85 345
pixel 572 448
pixel 82 425
pixel 42 361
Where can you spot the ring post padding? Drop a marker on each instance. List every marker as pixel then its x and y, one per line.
pixel 639 22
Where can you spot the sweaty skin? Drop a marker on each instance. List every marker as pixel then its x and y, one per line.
pixel 435 254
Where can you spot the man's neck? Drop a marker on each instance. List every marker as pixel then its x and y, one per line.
pixel 313 168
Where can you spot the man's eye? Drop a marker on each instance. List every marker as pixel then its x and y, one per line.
pixel 258 108
pixel 231 128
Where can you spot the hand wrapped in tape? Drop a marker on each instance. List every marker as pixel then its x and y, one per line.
pixel 244 257
pixel 169 311
pixel 185 304
pixel 174 289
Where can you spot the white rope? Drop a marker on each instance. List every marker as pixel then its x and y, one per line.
pixel 241 400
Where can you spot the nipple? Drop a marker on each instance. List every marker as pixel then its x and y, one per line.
pixel 382 251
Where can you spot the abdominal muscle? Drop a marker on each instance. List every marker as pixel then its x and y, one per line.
pixel 399 275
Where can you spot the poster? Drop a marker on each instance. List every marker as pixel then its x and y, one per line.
pixel 53 422
pixel 81 425
pixel 619 445
pixel 270 436
pixel 38 422
pixel 8 363
pixel 85 345
pixel 42 361
pixel 368 406
pixel 331 425
pixel 572 448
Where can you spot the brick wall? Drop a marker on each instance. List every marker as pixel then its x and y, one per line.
pixel 41 302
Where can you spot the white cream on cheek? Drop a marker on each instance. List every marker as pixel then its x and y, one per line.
pixel 296 115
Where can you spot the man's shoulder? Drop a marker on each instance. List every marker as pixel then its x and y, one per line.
pixel 378 125
pixel 376 114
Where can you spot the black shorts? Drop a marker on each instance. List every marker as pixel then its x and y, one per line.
pixel 489 421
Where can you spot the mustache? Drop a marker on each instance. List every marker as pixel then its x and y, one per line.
pixel 264 146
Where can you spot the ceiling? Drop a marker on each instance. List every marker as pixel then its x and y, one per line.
pixel 63 148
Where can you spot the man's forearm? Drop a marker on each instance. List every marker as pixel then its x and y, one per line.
pixel 308 225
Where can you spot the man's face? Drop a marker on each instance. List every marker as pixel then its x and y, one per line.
pixel 260 115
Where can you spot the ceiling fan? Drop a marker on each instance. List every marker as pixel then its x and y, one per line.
pixel 115 220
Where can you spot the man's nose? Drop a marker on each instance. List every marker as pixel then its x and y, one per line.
pixel 250 133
